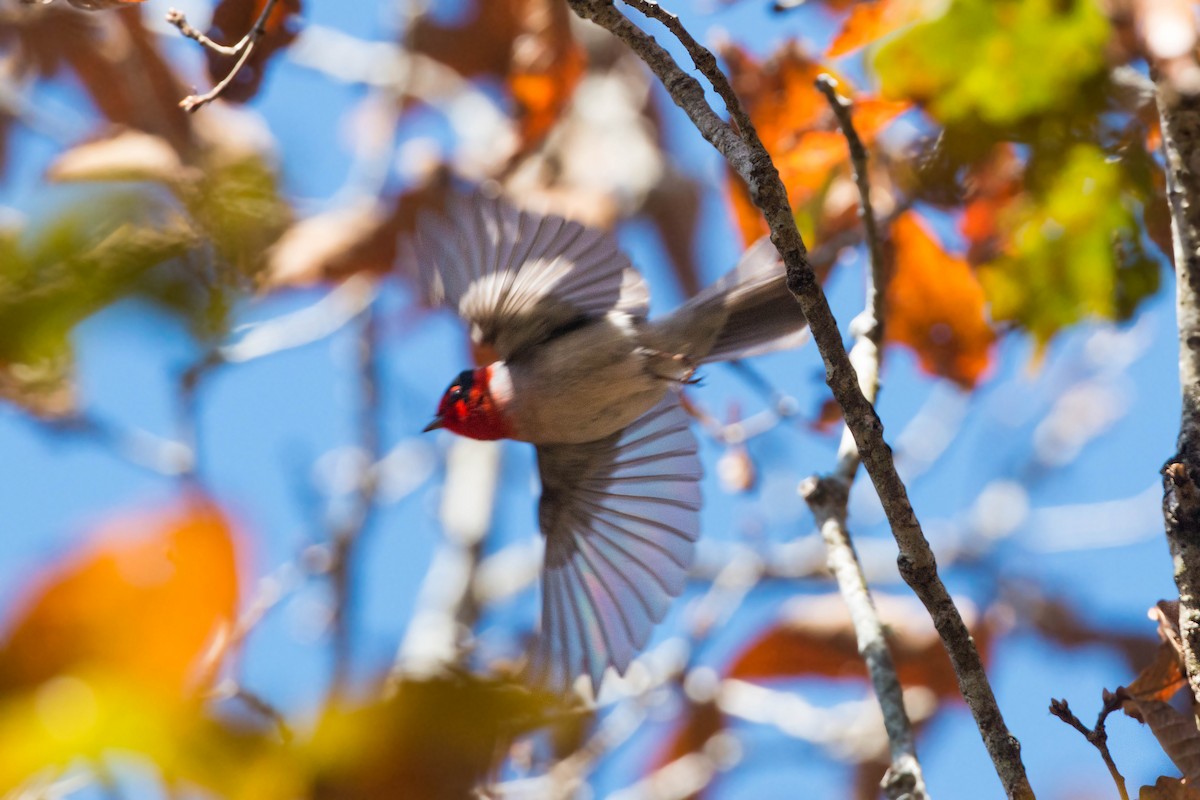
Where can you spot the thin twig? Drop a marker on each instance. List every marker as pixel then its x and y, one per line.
pixel 347 534
pixel 750 159
pixel 179 20
pixel 828 496
pixel 242 50
pixel 1097 736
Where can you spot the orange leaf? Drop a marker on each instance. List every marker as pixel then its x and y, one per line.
pixel 991 185
pixel 936 306
pixel 799 129
pixel 815 638
pixel 526 42
pixel 870 21
pixel 1161 678
pixel 871 115
pixel 143 606
pixel 546 66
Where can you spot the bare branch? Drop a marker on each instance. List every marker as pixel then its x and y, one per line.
pixel 750 159
pixel 348 532
pixel 828 496
pixel 242 50
pixel 1097 736
pixel 1180 118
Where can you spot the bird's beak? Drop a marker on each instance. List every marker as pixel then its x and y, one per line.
pixel 433 426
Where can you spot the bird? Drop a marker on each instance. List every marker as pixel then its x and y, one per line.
pixel 570 362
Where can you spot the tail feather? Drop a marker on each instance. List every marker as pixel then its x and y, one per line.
pixel 747 312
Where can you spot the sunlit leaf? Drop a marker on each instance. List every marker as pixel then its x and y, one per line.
pixel 142 601
pixel 436 738
pixel 799 129
pixel 127 156
pixel 1074 249
pixel 872 20
pixel 52 279
pixel 106 647
pixel 1161 678
pixel 344 242
pixel 998 61
pixel 935 305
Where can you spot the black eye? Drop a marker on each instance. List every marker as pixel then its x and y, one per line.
pixel 455 394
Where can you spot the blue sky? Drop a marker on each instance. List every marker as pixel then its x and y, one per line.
pixel 265 424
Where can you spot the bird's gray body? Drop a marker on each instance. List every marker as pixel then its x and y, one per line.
pixel 588 378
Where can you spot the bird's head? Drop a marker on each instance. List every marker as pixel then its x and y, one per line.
pixel 469 407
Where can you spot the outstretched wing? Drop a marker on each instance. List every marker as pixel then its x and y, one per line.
pixel 620 517
pixel 517 277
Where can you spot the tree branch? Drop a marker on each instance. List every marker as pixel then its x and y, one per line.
pixel 348 532
pixel 749 158
pixel 828 496
pixel 242 50
pixel 1180 119
pixel 1097 736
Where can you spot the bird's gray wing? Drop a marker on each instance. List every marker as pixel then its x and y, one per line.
pixel 517 277
pixel 620 517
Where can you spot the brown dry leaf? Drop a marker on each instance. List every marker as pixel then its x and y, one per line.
pixel 527 43
pixel 344 242
pixel 936 306
pixel 141 603
pixel 1169 789
pixel 100 5
pixel 815 638
pixel 114 57
pixel 1161 678
pixel 127 155
pixel 234 19
pixel 702 721
pixel 1176 733
pixel 828 418
pixel 872 20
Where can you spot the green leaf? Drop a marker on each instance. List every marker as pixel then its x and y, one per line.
pixel 998 61
pixel 55 278
pixel 1076 249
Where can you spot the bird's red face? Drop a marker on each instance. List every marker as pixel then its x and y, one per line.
pixel 468 409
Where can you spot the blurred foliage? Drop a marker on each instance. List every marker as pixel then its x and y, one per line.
pixel 999 62
pixel 1075 248
pixel 1017 188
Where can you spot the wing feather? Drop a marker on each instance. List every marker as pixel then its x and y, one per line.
pixel 517 277
pixel 621 517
